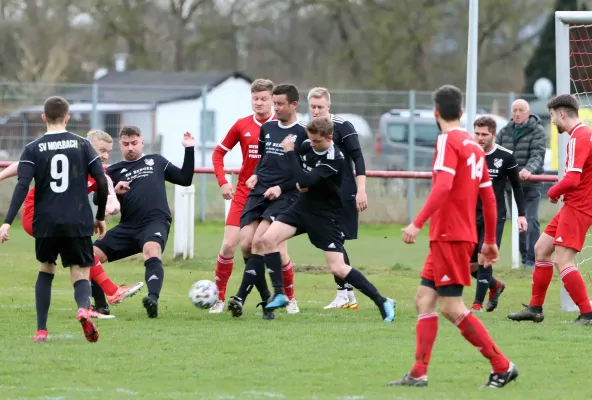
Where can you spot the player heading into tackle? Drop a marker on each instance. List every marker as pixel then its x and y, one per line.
pixel 459 177
pixel 246 132
pixel 317 210
pixel 353 188
pixel 273 190
pixel 565 235
pixel 502 166
pixel 60 163
pixel 145 214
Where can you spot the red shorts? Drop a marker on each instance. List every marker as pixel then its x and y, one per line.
pixel 447 263
pixel 236 207
pixel 569 228
pixel 27 219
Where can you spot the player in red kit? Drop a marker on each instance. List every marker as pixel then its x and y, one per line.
pixel 102 143
pixel 460 176
pixel 566 233
pixel 246 132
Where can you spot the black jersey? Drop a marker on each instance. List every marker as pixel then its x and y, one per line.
pixel 322 174
pixel 346 138
pixel 273 169
pixel 500 163
pixel 147 198
pixel 61 163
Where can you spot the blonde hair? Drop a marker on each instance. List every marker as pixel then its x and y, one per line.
pixel 318 92
pixel 261 85
pixel 96 134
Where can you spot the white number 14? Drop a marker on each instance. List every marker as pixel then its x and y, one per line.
pixel 476 166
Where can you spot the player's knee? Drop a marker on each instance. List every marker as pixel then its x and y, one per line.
pixel 425 301
pixel 339 269
pixel 452 310
pixel 99 254
pixel 151 249
pixel 228 248
pixel 563 258
pixel 543 249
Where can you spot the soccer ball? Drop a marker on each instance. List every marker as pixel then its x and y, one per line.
pixel 203 294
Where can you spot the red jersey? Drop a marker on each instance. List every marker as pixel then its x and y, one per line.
pixel 457 153
pixel 246 132
pixel 92 187
pixel 579 159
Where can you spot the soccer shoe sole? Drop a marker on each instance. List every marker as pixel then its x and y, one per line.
pixel 235 307
pixel 493 302
pixel 130 293
pixel 389 305
pixel 151 307
pixel 91 333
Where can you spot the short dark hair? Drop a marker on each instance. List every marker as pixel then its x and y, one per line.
pixel 291 91
pixel 567 102
pixel 55 109
pixel 448 101
pixel 487 122
pixel 261 85
pixel 320 126
pixel 130 130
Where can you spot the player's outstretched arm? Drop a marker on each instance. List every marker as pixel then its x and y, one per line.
pixel 9 172
pixel 26 173
pixel 182 176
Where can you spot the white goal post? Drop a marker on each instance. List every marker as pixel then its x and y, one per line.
pixel 563 20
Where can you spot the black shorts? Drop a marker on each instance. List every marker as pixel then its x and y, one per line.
pixel 349 219
pixel 258 208
pixel 481 235
pixel 123 241
pixel 324 232
pixel 74 251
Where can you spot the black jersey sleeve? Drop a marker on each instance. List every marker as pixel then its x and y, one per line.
pixel 514 178
pixel 26 173
pixel 351 143
pixel 181 176
pixel 322 171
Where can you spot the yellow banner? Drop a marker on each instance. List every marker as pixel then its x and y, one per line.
pixel 585 116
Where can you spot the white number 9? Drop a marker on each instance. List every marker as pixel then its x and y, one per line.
pixel 59 170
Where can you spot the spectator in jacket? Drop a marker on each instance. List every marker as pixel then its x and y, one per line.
pixel 525 136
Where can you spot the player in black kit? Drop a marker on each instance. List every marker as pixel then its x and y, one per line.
pixel 353 188
pixel 273 190
pixel 145 214
pixel 60 162
pixel 319 176
pixel 502 166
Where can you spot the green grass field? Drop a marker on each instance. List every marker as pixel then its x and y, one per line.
pixel 188 354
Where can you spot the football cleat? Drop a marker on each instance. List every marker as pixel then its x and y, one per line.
pixel 292 307
pixel 91 332
pixel 494 296
pixel 151 307
pixel 218 307
pixel 235 306
pixel 123 292
pixel 338 302
pixel 278 300
pixel 529 313
pixel 268 315
pixel 389 310
pixel 408 380
pixel 476 307
pixel 95 314
pixel 501 380
pixel 41 336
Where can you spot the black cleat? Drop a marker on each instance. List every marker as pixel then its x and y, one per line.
pixel 501 380
pixel 268 315
pixel 151 307
pixel 235 306
pixel 583 320
pixel 102 310
pixel 408 380
pixel 494 297
pixel 529 313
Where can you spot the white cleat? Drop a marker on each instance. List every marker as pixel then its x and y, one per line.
pixel 292 307
pixel 218 307
pixel 339 302
pixel 351 298
pixel 98 315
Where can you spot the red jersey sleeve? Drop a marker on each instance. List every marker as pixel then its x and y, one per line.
pixel 446 155
pixel 578 150
pixel 229 141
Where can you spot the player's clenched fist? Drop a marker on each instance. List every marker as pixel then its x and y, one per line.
pixel 4 236
pixel 122 187
pixel 251 182
pixel 288 144
pixel 410 233
pixel 490 252
pixel 273 193
pixel 188 140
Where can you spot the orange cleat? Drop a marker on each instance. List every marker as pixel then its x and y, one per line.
pixel 123 292
pixel 90 330
pixel 41 336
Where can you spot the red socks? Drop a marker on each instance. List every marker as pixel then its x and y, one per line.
pixel 576 287
pixel 223 272
pixel 541 279
pixel 288 277
pixel 425 336
pixel 98 274
pixel 474 331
